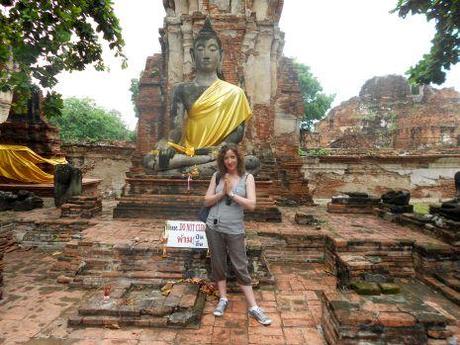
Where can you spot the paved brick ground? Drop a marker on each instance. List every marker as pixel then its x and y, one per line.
pixel 36 308
pixel 339 227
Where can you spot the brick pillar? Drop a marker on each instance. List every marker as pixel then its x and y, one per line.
pixel 150 106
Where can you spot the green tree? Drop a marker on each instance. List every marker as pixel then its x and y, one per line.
pixel 39 39
pixel 134 88
pixel 445 49
pixel 82 119
pixel 316 102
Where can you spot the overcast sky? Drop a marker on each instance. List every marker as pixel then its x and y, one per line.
pixel 344 42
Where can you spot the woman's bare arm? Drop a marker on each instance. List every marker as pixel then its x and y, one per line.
pixel 249 202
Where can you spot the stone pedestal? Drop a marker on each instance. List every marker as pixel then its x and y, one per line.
pixel 89 187
pixel 82 206
pixel 20 201
pixel 293 186
pixel 86 205
pixel 353 203
pixel 156 197
pixel 396 209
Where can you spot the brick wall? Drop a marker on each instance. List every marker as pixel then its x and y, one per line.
pixel 424 175
pixel 107 162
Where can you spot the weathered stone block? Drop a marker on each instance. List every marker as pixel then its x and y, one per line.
pixel 389 288
pixel 365 288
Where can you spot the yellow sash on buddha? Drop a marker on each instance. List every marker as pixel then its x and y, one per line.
pixel 214 115
pixel 19 163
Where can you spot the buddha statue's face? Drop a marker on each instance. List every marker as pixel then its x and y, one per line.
pixel 207 55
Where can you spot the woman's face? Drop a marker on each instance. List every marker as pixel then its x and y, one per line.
pixel 230 161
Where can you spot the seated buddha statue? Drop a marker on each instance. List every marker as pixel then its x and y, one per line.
pixel 205 113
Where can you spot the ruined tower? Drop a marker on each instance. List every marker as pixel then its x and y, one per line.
pixel 253 59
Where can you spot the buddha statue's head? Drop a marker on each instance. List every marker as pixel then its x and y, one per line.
pixel 207 50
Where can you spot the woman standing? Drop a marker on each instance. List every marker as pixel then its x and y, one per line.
pixel 234 192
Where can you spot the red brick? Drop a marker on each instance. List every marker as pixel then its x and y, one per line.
pixel 395 319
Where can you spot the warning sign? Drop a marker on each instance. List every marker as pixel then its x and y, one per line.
pixel 185 234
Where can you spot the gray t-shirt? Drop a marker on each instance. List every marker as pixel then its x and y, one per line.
pixel 228 218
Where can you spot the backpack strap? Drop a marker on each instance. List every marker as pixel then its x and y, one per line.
pixel 217 177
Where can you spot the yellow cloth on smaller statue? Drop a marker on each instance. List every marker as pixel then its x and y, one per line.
pixel 19 163
pixel 215 114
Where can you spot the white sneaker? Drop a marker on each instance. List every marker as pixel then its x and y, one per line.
pixel 220 308
pixel 259 315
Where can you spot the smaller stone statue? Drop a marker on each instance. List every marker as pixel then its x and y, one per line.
pixel 397 201
pixel 451 208
pixel 67 183
pixel 400 198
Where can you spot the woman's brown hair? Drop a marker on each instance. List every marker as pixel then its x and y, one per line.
pixel 220 159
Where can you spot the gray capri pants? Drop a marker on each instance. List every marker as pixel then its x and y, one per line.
pixel 220 244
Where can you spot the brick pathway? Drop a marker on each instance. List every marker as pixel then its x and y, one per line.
pixel 336 226
pixel 36 308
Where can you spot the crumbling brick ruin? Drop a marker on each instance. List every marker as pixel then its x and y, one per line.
pixel 389 113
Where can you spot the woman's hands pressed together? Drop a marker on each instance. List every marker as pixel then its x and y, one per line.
pixel 228 187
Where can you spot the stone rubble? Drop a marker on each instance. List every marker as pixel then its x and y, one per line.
pixel 20 200
pixel 348 319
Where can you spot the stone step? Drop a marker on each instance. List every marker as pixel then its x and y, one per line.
pixel 178 186
pixel 116 322
pixel 450 280
pixel 350 208
pixel 450 293
pixel 265 212
pixel 97 282
pixel 98 263
pixel 82 205
pixel 142 305
pixel 294 256
pixel 186 200
pixel 153 274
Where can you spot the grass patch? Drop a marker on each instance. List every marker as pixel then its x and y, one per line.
pixel 421 208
